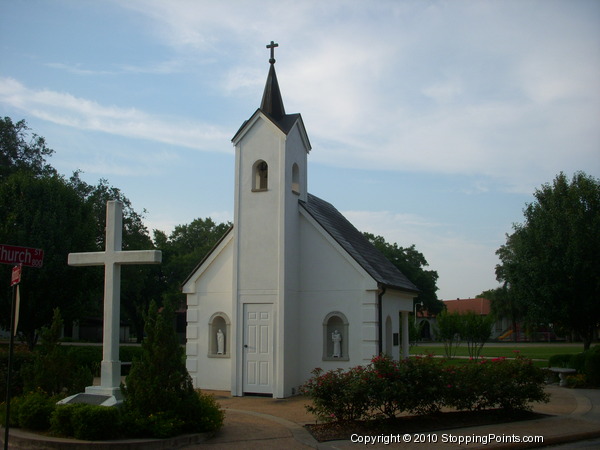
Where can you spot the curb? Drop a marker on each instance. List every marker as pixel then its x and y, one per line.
pixel 24 440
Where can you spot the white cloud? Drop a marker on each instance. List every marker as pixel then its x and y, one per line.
pixel 506 90
pixel 66 109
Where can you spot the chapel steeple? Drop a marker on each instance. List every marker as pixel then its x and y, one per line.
pixel 272 103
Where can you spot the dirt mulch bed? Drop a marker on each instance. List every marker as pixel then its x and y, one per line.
pixel 417 424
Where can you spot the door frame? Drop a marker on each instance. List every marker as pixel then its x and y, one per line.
pixel 259 308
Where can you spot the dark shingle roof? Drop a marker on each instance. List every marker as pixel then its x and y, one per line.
pixel 272 102
pixel 357 245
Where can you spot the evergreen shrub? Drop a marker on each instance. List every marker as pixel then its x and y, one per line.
pixel 93 422
pixel 159 395
pixel 53 370
pixel 34 411
pixel 61 420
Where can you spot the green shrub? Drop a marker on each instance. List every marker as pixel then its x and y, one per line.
pixel 515 384
pixel 423 385
pixel 200 413
pixel 338 395
pixel 35 410
pixel 511 384
pixel 163 424
pixel 592 366
pixel 61 420
pixel 561 360
pixel 384 386
pixel 15 405
pixel 586 363
pixel 21 359
pixel 92 423
pixel 464 385
pixel 577 361
pixel 53 369
pixel 87 356
pixel 159 396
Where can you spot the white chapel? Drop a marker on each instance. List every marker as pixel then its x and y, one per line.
pixel 292 285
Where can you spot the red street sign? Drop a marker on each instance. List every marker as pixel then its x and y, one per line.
pixel 16 275
pixel 30 257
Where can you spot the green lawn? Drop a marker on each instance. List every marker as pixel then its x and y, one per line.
pixel 493 350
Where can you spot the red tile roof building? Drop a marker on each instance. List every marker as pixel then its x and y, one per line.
pixel 479 306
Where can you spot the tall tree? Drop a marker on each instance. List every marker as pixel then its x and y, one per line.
pixel 183 249
pixel 47 213
pixel 550 262
pixel 505 304
pixel 39 208
pixel 413 264
pixel 20 150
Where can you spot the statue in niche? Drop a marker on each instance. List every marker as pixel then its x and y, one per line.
pixel 336 337
pixel 220 342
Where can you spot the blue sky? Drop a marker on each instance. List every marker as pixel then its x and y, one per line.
pixel 432 122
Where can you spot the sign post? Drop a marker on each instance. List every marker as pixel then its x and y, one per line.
pixel 19 256
pixel 16 275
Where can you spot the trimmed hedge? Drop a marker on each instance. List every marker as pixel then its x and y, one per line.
pixel 37 411
pixel 423 385
pixel 586 363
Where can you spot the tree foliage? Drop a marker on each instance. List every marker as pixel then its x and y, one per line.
pixel 550 262
pixel 183 249
pixel 413 264
pixel 21 151
pixel 47 213
pixel 41 209
pixel 505 304
pixel 159 391
pixel 476 331
pixel 448 330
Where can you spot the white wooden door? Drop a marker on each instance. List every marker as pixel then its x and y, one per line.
pixel 258 348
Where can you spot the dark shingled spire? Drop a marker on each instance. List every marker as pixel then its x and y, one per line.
pixel 272 103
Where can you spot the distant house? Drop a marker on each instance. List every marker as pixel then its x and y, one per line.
pixel 479 305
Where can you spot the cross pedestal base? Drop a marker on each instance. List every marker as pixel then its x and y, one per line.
pixel 96 395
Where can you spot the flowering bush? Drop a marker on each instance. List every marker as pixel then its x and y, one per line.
pixel 338 395
pixel 423 385
pixel 515 383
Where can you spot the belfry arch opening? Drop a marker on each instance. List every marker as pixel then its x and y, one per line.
pixel 260 176
pixel 295 179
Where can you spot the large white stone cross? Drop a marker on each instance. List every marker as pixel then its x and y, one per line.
pixel 112 259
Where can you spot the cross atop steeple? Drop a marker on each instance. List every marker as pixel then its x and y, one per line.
pixel 272 46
